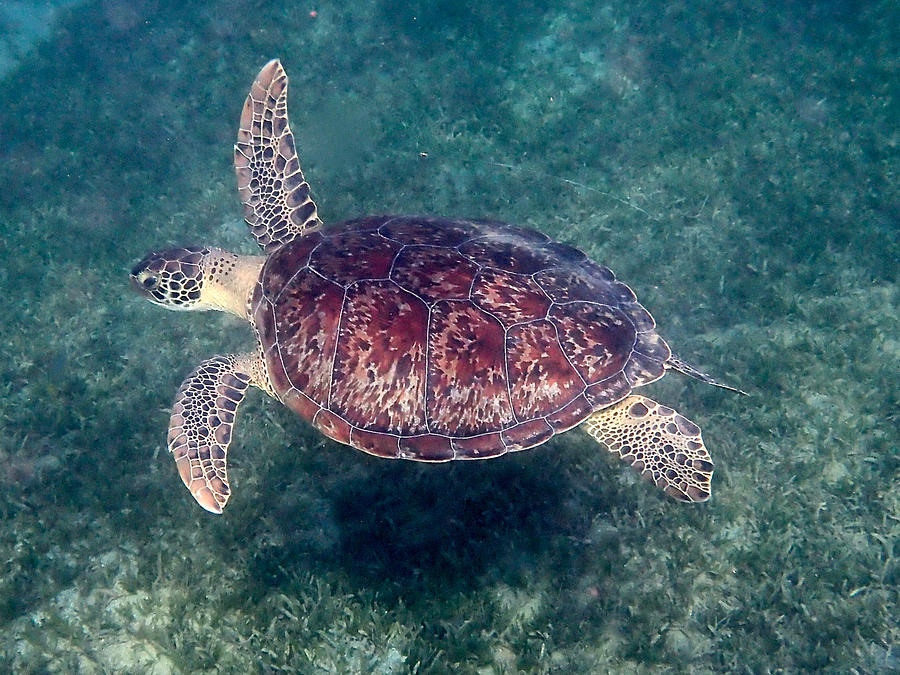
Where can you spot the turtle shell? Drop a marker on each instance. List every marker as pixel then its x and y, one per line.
pixel 435 339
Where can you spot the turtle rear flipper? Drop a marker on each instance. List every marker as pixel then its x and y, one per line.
pixel 201 422
pixel 663 446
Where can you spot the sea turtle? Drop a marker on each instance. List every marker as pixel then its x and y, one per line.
pixel 413 337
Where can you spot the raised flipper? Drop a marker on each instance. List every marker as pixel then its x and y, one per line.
pixel 661 445
pixel 277 205
pixel 201 422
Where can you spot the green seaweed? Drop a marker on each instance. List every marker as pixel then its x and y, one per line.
pixel 736 165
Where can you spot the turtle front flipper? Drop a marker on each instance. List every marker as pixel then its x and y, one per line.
pixel 201 422
pixel 277 205
pixel 658 443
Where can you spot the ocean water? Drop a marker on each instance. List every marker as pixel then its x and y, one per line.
pixel 736 164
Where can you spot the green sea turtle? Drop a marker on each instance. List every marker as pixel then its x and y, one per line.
pixel 413 337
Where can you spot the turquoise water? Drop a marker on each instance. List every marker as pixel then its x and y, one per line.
pixel 737 166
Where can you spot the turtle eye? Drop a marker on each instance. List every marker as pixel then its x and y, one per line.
pixel 145 280
pixel 148 281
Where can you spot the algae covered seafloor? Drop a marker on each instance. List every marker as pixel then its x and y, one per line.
pixel 737 164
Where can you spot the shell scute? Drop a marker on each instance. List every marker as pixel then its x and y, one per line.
pixel 379 371
pixel 301 404
pixel 505 250
pixel 482 446
pixel 639 317
pixel 526 434
pixel 375 443
pixel 427 448
pixel 333 426
pixel 570 414
pixel 641 370
pixel 410 230
pixel 467 388
pixel 541 377
pixel 567 283
pixel 511 298
pixel 282 265
pixel 608 391
pixel 350 256
pixel 564 253
pixel 519 234
pixel 433 273
pixel 302 327
pixel 597 338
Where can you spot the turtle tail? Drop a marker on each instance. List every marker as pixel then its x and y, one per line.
pixel 685 368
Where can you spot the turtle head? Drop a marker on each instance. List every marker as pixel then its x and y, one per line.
pixel 198 277
pixel 172 278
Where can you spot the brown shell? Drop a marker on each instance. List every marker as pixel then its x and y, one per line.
pixel 432 339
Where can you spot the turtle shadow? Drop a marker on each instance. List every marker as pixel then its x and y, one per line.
pixel 408 529
pixel 449 528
